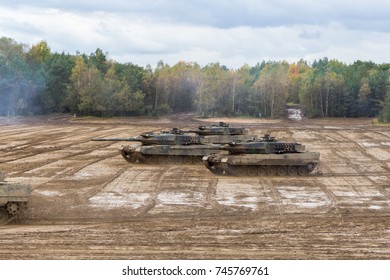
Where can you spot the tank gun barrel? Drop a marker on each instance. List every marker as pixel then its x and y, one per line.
pixel 116 139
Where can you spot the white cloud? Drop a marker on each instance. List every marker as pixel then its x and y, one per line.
pixel 205 31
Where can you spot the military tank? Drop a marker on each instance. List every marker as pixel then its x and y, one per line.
pixel 178 146
pixel 260 157
pixel 13 199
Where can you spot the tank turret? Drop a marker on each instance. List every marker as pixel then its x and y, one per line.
pixel 172 137
pixel 221 128
pixel 258 157
pixel 266 145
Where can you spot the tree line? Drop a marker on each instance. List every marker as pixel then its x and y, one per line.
pixel 34 80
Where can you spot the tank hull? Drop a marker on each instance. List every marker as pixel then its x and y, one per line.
pixel 13 200
pixel 224 139
pixel 167 154
pixel 262 164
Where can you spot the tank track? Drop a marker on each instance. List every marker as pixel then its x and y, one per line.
pixel 137 157
pixel 263 170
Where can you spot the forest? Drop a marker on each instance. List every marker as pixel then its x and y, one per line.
pixel 34 80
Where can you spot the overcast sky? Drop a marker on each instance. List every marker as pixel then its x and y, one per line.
pixel 232 32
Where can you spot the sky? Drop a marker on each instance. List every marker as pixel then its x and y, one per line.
pixel 231 32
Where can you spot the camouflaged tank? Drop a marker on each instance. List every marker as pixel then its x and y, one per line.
pixel 179 146
pixel 13 199
pixel 260 157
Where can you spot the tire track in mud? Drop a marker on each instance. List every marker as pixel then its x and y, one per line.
pixel 60 190
pixel 152 200
pixel 325 168
pixel 35 165
pixel 329 173
pixel 175 179
pixel 383 191
pixel 210 192
pixel 355 165
pixel 48 136
pixel 212 238
pixel 196 224
pixel 95 190
pixel 278 200
pixel 364 152
pixel 32 147
pixel 330 195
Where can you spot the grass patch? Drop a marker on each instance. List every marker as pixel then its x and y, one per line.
pixel 377 122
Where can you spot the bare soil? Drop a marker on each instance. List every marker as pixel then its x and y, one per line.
pixel 89 203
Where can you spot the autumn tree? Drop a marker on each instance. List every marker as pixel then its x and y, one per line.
pixel 85 89
pixel 58 68
pixel 272 89
pixel 213 96
pixel 34 80
pixel 38 54
pixel 20 83
pixel 322 93
pixel 296 73
pixel 385 113
pixel 181 86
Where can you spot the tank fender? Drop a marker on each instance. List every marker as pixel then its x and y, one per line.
pixel 3 201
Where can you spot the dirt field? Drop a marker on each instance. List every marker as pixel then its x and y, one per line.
pixel 89 203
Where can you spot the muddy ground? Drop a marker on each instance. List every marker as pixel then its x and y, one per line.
pixel 89 203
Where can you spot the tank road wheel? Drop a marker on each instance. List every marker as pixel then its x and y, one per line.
pixel 292 170
pixel 13 208
pixel 310 167
pixel 251 171
pixel 302 170
pixel 271 170
pixel 242 170
pixel 179 160
pixel 261 171
pixel 197 159
pixel 141 159
pixel 3 216
pixel 145 159
pixel 188 160
pixel 151 159
pixel 170 160
pixel 282 170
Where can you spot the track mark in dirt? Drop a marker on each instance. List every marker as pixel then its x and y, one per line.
pixel 330 195
pixel 363 147
pixel 277 199
pixel 89 203
pixel 149 205
pixel 210 194
pixel 151 201
pixel 30 162
pixel 383 191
